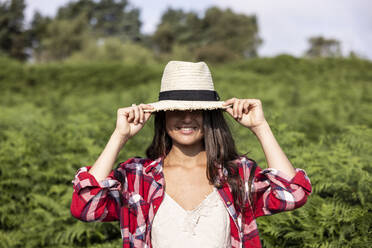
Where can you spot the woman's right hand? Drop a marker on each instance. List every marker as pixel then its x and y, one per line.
pixel 131 120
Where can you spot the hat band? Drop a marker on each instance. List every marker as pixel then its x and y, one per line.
pixel 189 95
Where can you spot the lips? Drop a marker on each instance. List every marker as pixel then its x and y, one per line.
pixel 186 127
pixel 186 130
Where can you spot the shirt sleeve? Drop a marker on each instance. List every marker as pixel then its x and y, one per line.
pixel 274 191
pixel 93 200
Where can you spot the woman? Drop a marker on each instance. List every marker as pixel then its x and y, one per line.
pixel 193 189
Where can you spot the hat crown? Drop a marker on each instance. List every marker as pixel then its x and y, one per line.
pixel 181 75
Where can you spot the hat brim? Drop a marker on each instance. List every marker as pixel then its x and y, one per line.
pixel 166 105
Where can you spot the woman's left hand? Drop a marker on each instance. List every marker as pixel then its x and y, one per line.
pixel 247 112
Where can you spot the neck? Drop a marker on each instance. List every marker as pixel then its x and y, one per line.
pixel 186 156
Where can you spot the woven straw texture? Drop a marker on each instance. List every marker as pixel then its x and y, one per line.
pixel 181 75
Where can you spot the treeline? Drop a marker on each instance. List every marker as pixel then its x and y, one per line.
pixel 110 30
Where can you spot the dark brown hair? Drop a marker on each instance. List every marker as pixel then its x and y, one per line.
pixel 219 146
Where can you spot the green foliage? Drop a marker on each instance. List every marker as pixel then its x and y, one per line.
pixel 238 32
pixel 12 38
pixel 216 53
pixel 338 214
pixel 62 38
pixel 80 26
pixel 221 35
pixel 37 32
pixel 56 118
pixel 113 50
pixel 176 26
pixel 322 47
pixel 76 24
pixel 106 18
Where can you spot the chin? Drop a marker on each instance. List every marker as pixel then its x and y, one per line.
pixel 187 140
pixel 185 143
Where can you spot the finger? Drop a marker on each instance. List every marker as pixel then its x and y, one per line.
pixel 136 115
pixel 235 108
pixel 253 101
pixel 245 107
pixel 240 109
pixel 229 101
pixel 147 108
pixel 123 112
pixel 258 101
pixel 131 115
pixel 140 114
pixel 147 116
pixel 230 111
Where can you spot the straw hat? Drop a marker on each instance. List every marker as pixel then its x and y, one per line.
pixel 187 86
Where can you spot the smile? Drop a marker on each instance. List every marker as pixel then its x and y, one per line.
pixel 186 130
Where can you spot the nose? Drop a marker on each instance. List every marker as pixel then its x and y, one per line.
pixel 187 116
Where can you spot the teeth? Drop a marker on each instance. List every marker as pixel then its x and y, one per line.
pixel 187 128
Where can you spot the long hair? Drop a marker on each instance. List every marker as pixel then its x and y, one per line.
pixel 219 146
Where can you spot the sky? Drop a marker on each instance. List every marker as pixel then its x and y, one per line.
pixel 284 25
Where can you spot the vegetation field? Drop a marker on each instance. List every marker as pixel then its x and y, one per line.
pixel 55 118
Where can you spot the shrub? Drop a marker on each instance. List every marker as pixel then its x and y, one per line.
pixel 113 50
pixel 55 118
pixel 216 53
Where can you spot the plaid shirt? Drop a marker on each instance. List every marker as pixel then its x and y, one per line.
pixel 140 183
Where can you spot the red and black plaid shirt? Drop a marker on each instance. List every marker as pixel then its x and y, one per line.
pixel 140 183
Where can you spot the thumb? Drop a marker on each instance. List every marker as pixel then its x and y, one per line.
pixel 230 111
pixel 147 115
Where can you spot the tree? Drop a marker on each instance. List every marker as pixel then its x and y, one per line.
pixel 237 32
pixel 63 37
pixel 37 32
pixel 323 47
pixel 12 36
pixel 106 17
pixel 179 27
pixel 234 35
pixel 81 20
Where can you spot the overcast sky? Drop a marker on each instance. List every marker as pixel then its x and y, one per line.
pixel 284 25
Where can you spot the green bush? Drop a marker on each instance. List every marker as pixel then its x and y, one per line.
pixel 56 118
pixel 113 49
pixel 217 53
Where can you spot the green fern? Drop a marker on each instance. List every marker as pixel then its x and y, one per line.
pixel 62 121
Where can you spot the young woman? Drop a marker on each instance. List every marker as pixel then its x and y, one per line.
pixel 193 189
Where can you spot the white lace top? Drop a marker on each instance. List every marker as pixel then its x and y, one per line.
pixel 207 226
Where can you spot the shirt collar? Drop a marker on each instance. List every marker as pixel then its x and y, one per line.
pixel 155 166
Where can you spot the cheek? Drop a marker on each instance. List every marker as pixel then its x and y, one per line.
pixel 168 130
pixel 201 129
pixel 201 124
pixel 168 124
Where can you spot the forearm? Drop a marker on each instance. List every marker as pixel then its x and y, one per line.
pixel 275 157
pixel 103 165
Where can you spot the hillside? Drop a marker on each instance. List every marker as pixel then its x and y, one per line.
pixel 55 118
